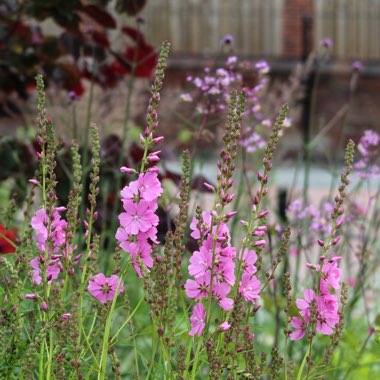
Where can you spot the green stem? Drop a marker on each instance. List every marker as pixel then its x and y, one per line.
pixel 107 330
pixel 152 358
pixel 127 320
pixel 194 372
pixel 302 366
pixel 41 368
pixel 50 357
pixel 75 124
pixel 87 126
pixel 124 136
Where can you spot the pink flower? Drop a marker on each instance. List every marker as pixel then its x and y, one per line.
pixel 352 282
pixel 224 326
pixel 330 275
pixel 327 316
pixel 294 252
pixel 144 253
pixel 304 304
pixel 199 288
pixel 52 271
pixel 57 229
pixel 149 186
pixel 225 269
pixel 249 260
pixel 200 262
pixel 186 97
pixel 39 224
pixel 198 320
pixel 250 287
pixel 138 217
pixel 220 292
pixel 130 193
pixel 104 288
pixel 300 326
pixel 205 225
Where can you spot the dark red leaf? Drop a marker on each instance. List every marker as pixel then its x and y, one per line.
pixel 134 34
pixel 77 88
pixel 144 57
pixel 100 38
pixel 136 152
pixel 101 16
pixel 131 7
pixel 120 67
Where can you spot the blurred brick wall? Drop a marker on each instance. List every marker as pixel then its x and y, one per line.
pixel 297 27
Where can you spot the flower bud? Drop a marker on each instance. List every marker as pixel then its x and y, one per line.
pixel 209 187
pixel 158 139
pixel 153 158
pixel 259 243
pixel 336 240
pixel 127 170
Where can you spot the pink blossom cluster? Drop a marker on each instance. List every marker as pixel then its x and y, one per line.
pixel 138 222
pixel 214 87
pixel 310 216
pixel 369 147
pixel 55 234
pixel 325 301
pixel 217 278
pixel 251 139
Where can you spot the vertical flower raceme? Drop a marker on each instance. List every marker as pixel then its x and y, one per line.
pixel 50 238
pixel 213 265
pixel 319 310
pixel 138 222
pixel 201 267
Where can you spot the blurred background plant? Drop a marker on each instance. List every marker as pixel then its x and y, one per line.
pixel 97 58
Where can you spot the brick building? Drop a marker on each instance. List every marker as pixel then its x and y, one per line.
pixel 271 28
pixel 284 32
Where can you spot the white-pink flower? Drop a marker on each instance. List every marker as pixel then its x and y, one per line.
pixel 104 288
pixel 138 217
pixel 300 326
pixel 149 186
pixel 198 320
pixel 250 287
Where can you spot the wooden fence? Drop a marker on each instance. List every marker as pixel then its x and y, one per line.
pixel 195 26
pixel 354 26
